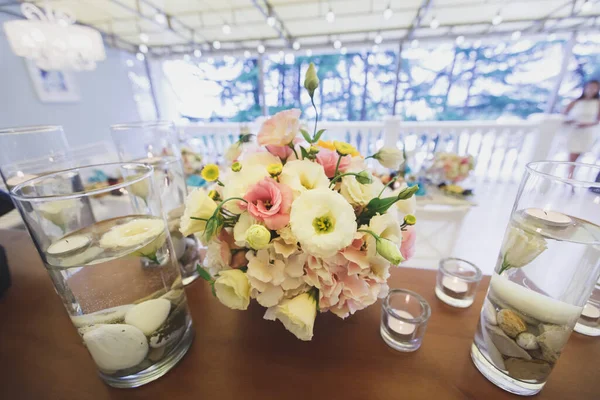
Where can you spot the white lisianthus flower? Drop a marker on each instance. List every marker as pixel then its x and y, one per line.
pixel 260 158
pixel 233 152
pixel 197 205
pixel 146 232
pixel 408 206
pixel 389 157
pixel 520 248
pixel 323 222
pixel 218 257
pixel 303 175
pixel 358 194
pixel 233 289
pixel 239 182
pixel 245 221
pixel 297 315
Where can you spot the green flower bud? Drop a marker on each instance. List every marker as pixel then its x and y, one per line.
pixel 364 178
pixel 311 80
pixel 236 167
pixel 258 237
pixel 388 250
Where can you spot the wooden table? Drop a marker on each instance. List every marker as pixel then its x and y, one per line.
pixel 238 355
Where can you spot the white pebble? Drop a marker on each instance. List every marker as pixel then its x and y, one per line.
pixel 106 316
pixel 489 312
pixel 527 341
pixel 149 315
pixel 115 347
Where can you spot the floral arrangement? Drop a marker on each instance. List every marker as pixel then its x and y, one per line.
pixel 300 225
pixel 451 167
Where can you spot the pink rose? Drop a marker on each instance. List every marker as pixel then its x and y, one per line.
pixel 329 158
pixel 409 237
pixel 280 129
pixel 270 202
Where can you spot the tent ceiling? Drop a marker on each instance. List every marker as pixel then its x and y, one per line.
pixel 199 23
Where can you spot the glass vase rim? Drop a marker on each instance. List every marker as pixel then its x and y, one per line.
pixel 476 278
pixel 141 124
pixel 29 129
pixel 425 307
pixel 147 173
pixel 531 169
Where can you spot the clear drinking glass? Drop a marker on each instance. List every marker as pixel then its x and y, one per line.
pixel 29 151
pixel 404 317
pixel 457 282
pixel 116 276
pixel 155 143
pixel 589 321
pixel 546 270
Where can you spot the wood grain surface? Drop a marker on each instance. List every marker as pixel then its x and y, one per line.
pixel 238 355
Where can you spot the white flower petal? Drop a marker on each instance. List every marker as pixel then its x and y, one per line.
pixel 303 175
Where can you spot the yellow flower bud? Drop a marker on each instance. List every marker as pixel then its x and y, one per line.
pixel 236 166
pixel 274 169
pixel 410 219
pixel 345 149
pixel 311 80
pixel 258 237
pixel 213 194
pixel 210 172
pixel 313 150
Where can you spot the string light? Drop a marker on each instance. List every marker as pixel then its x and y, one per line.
pixel 414 44
pixel 343 50
pixel 296 45
pixel 552 37
pixel 247 54
pixel 309 53
pixel 143 48
pixel 330 16
pixel 460 39
pixel 387 13
pixel 144 37
pixel 260 48
pixel 434 24
pixel 197 53
pixel 337 44
pixel 130 63
pixel 497 20
pixel 281 54
pixel 226 28
pixel 271 20
pixel 378 38
pixel 216 45
pixel 516 35
pixel 140 56
pixel 375 48
pixel 160 18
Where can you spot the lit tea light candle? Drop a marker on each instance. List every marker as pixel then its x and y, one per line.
pixel 591 312
pixel 401 327
pixel 68 245
pixel 455 285
pixel 552 218
pixel 20 177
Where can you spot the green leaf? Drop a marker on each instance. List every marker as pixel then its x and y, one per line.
pixel 204 273
pixel 304 152
pixel 318 135
pixel 306 135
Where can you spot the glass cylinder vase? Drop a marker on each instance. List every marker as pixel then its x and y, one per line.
pixel 116 276
pixel 546 270
pixel 155 143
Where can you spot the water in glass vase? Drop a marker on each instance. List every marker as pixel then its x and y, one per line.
pixel 170 180
pixel 125 296
pixel 536 299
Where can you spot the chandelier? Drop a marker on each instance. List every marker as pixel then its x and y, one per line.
pixel 51 39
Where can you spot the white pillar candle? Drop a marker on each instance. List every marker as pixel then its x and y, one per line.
pixel 547 217
pixel 68 245
pixel 455 284
pixel 18 178
pixel 401 327
pixel 591 312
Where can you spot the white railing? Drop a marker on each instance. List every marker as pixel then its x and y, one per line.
pixel 501 149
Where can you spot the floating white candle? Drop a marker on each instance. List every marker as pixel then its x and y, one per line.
pixel 591 312
pixel 68 245
pixel 455 284
pixel 18 178
pixel 547 217
pixel 401 327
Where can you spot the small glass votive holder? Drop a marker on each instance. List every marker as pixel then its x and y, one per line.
pixel 404 317
pixel 589 321
pixel 457 282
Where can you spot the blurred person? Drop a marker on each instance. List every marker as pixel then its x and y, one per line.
pixel 583 117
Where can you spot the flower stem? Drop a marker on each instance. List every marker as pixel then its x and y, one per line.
pixel 370 232
pixel 291 145
pixel 503 268
pixel 337 166
pixel 337 178
pixel 312 100
pixel 388 184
